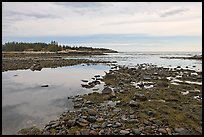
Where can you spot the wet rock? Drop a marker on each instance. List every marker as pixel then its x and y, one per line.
pixel 140 97
pixel 107 90
pixel 133 103
pixel 96 76
pixel 44 86
pixel 84 80
pixel 124 132
pixel 136 131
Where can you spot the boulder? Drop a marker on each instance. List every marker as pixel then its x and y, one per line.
pixel 133 103
pixel 140 97
pixel 107 90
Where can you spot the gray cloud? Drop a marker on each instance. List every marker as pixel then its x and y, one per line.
pixel 81 4
pixel 173 12
pixel 21 15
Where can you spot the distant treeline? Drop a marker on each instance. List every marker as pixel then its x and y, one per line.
pixel 52 47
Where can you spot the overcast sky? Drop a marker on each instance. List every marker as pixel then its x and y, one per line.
pixel 130 26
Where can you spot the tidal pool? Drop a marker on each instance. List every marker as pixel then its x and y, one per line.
pixel 25 103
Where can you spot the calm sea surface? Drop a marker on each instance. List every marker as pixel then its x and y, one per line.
pixel 25 103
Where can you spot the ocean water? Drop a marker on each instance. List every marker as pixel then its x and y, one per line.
pixel 25 103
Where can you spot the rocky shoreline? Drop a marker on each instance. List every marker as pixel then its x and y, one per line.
pixel 37 61
pixel 196 57
pixel 141 100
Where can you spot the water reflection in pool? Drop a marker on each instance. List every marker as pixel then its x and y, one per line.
pixel 25 103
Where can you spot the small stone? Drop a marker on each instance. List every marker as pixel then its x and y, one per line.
pixel 179 130
pixel 136 131
pixel 109 125
pixel 96 126
pixel 140 97
pixel 84 132
pixel 107 90
pixel 46 133
pixel 118 124
pixel 70 123
pixel 91 119
pixel 91 112
pixel 133 103
pixel 101 132
pixel 124 132
pixel 84 80
pixel 132 116
pixel 93 132
pixel 99 120
pixel 104 124
pixel 161 130
pixel 132 120
pixel 168 131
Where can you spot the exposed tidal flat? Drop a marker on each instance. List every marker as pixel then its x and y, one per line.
pixel 133 99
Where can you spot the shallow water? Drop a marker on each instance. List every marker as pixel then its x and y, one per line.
pixel 25 103
pixel 134 58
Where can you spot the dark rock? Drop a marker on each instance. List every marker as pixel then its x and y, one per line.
pixel 107 90
pixel 84 80
pixel 91 119
pixel 44 86
pixel 97 76
pixel 140 97
pixel 151 113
